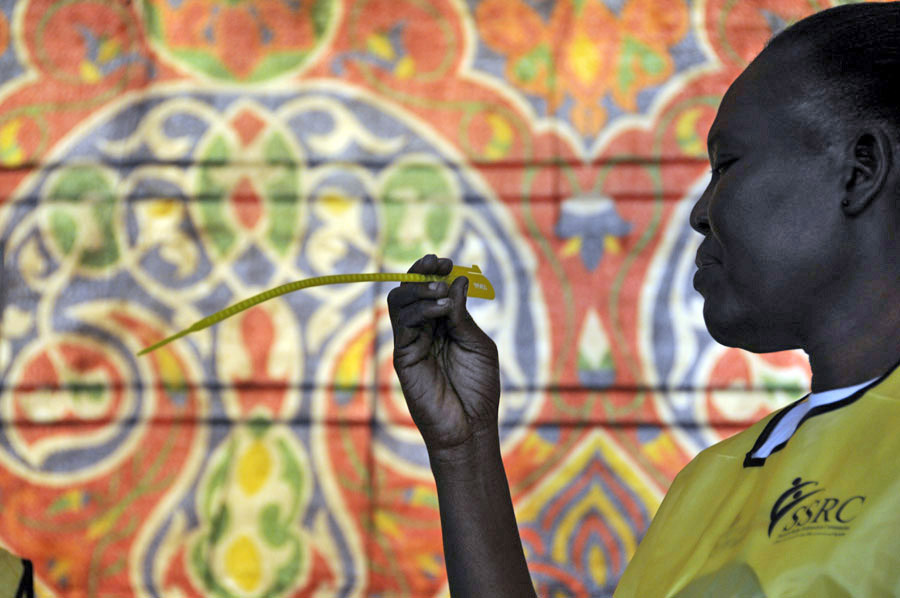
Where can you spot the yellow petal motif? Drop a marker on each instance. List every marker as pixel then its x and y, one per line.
pixel 598 565
pixel 8 133
pixel 11 153
pixel 169 371
pixel 385 524
pixel 406 67
pixel 380 46
pixel 500 128
pixel 661 449
pixel 89 72
pixel 350 367
pixel 254 468
pixel 160 208
pixel 571 247
pixel 243 564
pixel 612 244
pixel 335 205
pixel 584 56
pixel 108 49
pixel 101 526
pixel 501 137
pixel 73 499
pixel 686 133
pixel 428 564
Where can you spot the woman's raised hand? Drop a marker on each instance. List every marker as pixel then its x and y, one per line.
pixel 448 367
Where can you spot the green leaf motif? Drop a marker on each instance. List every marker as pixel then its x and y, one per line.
pixel 66 502
pixel 287 573
pixel 282 193
pixel 153 22
pixel 200 560
pixel 219 524
pixel 273 530
pixel 93 393
pixel 634 54
pixel 212 196
pixel 408 192
pixel 63 229
pixel 217 480
pixel 291 472
pixel 79 185
pixel 258 426
pixel 579 7
pixel 606 363
pixel 528 66
pixel 275 64
pixel 204 62
pixel 108 253
pixel 777 385
pixel 276 151
pixel 322 12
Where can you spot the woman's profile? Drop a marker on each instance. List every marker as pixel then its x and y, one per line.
pixel 801 249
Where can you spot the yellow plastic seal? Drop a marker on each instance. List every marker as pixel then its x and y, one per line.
pixel 479 286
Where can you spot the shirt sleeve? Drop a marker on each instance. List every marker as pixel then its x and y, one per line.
pixel 641 563
pixel 16 577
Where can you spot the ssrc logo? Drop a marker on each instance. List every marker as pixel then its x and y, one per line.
pixel 804 510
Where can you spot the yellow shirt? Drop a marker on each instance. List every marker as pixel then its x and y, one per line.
pixel 15 576
pixel 818 518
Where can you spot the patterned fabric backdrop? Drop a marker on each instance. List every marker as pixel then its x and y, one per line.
pixel 162 159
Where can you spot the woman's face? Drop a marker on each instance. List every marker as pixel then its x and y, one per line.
pixel 771 214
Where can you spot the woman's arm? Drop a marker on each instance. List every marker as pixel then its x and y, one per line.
pixel 449 371
pixel 482 547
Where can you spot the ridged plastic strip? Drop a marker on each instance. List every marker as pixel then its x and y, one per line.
pixel 479 286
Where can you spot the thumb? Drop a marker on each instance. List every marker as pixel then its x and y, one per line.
pixel 459 315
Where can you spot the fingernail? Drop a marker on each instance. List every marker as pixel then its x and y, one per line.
pixel 442 301
pixel 433 285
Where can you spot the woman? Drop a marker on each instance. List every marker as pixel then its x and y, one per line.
pixel 801 249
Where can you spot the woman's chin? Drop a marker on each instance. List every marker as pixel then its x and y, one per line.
pixel 742 334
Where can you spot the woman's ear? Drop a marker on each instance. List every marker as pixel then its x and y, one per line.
pixel 868 165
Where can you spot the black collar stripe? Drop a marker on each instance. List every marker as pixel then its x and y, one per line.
pixel 751 461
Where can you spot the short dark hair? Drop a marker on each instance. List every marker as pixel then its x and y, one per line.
pixel 855 50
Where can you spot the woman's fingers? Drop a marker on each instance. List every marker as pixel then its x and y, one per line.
pixel 413 316
pixel 409 323
pixel 444 265
pixel 400 297
pixel 430 264
pixel 457 294
pixel 424 265
pixel 411 305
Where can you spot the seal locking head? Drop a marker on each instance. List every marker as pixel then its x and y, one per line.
pixel 479 285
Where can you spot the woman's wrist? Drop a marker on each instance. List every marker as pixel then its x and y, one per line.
pixel 482 547
pixel 482 445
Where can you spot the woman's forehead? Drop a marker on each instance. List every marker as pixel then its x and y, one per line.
pixel 764 103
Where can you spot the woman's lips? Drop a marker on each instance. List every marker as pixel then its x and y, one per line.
pixel 702 271
pixel 703 260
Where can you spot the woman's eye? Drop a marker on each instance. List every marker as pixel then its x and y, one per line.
pixel 720 169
